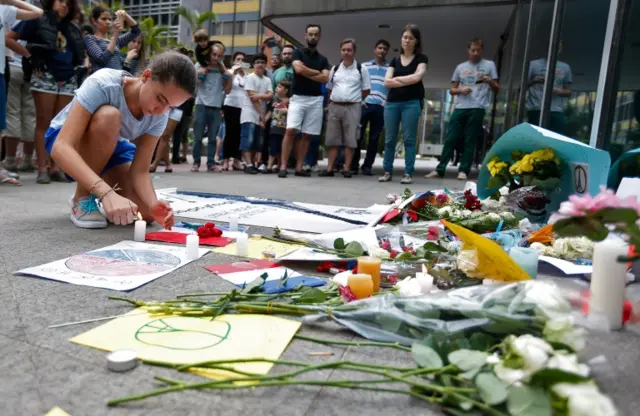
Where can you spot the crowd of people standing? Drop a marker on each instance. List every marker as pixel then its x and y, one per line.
pixel 265 116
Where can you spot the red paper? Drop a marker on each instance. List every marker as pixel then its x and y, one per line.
pixel 241 266
pixel 181 238
pixel 390 215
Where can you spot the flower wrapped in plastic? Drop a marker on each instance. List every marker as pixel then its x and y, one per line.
pixel 494 310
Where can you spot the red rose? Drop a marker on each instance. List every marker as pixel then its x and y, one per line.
pixel 386 245
pixel 412 215
pixel 419 203
pixel 393 254
pixel 210 225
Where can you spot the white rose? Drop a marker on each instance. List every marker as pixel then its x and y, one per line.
pixel 426 282
pixel 466 213
pixel 409 287
pixel 534 351
pixel 582 245
pixel 568 363
pixel 561 246
pixel 493 359
pixel 494 216
pixel 342 278
pixel 562 330
pixel 504 191
pixel 510 375
pixel 584 399
pixel 445 210
pixel 489 204
pixel 507 216
pixel 379 253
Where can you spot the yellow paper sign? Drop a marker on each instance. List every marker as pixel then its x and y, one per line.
pixel 186 340
pixel 493 261
pixel 56 411
pixel 258 247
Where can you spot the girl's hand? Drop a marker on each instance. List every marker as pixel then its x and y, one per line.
pixel 163 214
pixel 131 55
pixel 117 26
pixel 119 210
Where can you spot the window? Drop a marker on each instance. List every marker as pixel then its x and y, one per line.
pixel 240 28
pixel 252 27
pixel 164 19
pixel 227 28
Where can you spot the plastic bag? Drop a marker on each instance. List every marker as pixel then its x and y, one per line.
pixel 493 310
pixel 531 202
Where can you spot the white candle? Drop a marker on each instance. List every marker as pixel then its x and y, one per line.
pixel 233 222
pixel 140 230
pixel 193 247
pixel 242 244
pixel 608 281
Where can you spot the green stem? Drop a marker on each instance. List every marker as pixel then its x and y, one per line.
pixel 128 300
pixel 431 387
pixel 354 343
pixel 355 385
pixel 423 371
pixel 487 410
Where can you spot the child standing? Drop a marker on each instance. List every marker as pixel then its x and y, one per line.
pixel 203 51
pixel 260 91
pixel 277 117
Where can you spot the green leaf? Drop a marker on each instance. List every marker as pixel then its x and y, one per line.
pixel 550 376
pixel 354 249
pixel 581 226
pixel 528 401
pixel 338 244
pixel 467 360
pixel 284 279
pixel 313 295
pixel 425 357
pixel 255 285
pixel 491 389
pixel 497 181
pixel 625 215
pixel 431 246
pixel 481 341
pixel 470 375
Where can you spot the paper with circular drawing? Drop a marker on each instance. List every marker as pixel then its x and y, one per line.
pixel 185 340
pixel 123 266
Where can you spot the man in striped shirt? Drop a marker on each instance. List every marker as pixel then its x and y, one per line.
pixel 373 108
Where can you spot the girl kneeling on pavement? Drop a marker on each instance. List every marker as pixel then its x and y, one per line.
pixel 90 140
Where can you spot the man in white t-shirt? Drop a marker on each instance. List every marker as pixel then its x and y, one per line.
pixel 252 120
pixel 10 10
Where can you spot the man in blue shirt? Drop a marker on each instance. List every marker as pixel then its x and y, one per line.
pixel 373 108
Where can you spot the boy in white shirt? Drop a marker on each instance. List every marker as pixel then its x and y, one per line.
pixel 260 92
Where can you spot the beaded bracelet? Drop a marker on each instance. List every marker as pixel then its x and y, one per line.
pixel 95 184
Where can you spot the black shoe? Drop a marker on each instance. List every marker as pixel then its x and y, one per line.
pixel 367 172
pixel 303 174
pixel 346 173
pixel 326 174
pixel 251 170
pixel 353 172
pixel 282 173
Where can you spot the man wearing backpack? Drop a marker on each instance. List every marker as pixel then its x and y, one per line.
pixel 349 84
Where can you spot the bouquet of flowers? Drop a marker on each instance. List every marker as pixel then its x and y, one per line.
pixel 541 168
pixel 595 217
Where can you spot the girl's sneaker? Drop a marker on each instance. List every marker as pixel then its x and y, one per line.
pixel 406 179
pixel 43 178
pixel 385 178
pixel 86 214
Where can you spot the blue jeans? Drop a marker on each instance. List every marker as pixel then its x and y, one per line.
pixel 250 137
pixel 312 154
pixel 373 115
pixel 407 113
pixel 210 118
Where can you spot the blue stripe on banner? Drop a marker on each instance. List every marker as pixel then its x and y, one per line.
pixel 273 202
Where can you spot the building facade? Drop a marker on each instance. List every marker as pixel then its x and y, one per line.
pixel 238 26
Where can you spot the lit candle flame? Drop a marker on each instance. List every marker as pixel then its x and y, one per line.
pixel 139 217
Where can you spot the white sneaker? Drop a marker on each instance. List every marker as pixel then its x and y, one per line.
pixel 262 168
pixel 406 179
pixel 432 175
pixel 86 214
pixel 462 176
pixel 385 178
pixel 315 169
pixel 306 168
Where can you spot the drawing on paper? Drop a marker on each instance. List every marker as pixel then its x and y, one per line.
pixel 176 333
pixel 122 262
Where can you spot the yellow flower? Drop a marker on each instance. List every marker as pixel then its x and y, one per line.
pixel 495 166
